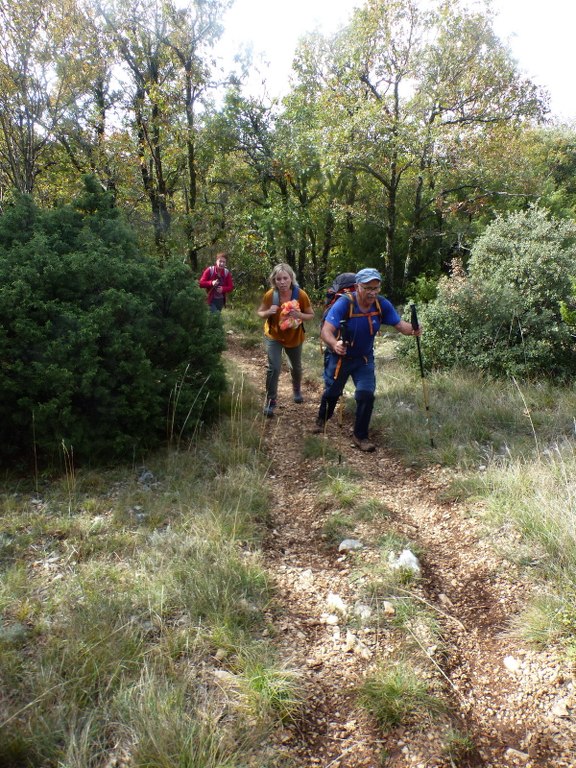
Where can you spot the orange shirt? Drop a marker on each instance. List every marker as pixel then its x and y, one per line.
pixel 291 337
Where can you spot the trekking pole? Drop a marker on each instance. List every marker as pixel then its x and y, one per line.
pixel 416 326
pixel 344 337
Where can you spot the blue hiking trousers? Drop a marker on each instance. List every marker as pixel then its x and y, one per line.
pixel 339 369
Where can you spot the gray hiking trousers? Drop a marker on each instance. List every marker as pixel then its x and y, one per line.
pixel 294 355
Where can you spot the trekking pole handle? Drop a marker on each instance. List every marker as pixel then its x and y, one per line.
pixel 343 325
pixel 414 317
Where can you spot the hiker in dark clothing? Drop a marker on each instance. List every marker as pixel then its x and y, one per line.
pixel 349 331
pixel 217 281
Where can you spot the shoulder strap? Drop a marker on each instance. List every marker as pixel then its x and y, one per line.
pixel 371 313
pixel 351 296
pixel 276 295
pixel 376 312
pixel 343 329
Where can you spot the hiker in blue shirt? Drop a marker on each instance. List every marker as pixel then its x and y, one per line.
pixel 349 331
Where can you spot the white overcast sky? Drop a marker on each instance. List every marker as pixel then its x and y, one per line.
pixel 540 34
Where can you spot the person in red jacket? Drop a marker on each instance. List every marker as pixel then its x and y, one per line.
pixel 217 281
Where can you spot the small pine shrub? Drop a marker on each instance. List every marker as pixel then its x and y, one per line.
pixel 104 352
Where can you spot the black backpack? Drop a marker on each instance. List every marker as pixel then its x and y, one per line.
pixel 343 283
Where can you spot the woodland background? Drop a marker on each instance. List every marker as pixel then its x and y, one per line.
pixel 401 137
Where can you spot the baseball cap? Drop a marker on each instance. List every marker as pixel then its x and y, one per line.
pixel 365 275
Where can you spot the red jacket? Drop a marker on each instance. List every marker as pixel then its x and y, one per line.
pixel 226 282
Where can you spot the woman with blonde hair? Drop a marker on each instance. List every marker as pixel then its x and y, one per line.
pixel 284 307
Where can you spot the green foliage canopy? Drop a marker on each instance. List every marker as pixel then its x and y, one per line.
pixel 102 350
pixel 409 98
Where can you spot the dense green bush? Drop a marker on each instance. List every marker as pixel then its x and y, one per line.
pixel 103 351
pixel 504 316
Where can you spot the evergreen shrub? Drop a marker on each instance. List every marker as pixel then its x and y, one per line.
pixel 104 352
pixel 504 315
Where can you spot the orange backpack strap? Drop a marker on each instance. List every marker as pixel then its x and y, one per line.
pixel 377 312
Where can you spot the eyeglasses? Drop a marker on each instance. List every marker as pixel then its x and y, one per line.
pixel 370 289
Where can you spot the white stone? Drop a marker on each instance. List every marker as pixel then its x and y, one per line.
pixel 335 603
pixel 349 545
pixel 406 559
pixel 511 664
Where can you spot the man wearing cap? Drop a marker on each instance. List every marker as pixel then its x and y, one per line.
pixel 349 331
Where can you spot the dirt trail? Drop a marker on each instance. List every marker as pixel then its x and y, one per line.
pixel 517 705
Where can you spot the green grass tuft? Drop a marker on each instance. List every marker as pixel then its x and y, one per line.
pixel 396 694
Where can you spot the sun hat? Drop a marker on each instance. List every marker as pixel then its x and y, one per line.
pixel 365 275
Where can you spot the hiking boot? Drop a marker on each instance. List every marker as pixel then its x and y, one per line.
pixel 269 408
pixel 318 427
pixel 298 397
pixel 363 444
